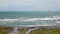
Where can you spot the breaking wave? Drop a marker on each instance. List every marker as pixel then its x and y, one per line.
pixel 4 21
pixel 30 19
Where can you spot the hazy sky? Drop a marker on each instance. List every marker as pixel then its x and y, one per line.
pixel 29 5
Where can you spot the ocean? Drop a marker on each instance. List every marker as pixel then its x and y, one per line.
pixel 30 18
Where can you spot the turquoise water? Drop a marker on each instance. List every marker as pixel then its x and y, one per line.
pixel 27 14
pixel 27 18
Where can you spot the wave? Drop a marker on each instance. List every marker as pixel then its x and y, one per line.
pixel 30 19
pixel 6 20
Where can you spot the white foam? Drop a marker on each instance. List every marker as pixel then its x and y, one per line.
pixel 29 19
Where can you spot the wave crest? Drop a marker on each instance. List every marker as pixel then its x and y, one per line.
pixel 30 19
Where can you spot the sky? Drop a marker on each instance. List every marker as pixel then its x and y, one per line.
pixel 29 5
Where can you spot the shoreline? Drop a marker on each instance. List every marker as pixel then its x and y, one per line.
pixel 24 30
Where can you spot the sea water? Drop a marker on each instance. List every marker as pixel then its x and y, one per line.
pixel 30 18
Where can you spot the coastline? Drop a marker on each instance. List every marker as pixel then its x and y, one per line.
pixel 23 30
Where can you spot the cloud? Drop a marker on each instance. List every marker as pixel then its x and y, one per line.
pixel 3 4
pixel 30 5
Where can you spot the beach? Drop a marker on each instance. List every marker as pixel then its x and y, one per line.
pixel 29 22
pixel 30 30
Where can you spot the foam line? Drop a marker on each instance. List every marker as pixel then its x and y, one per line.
pixel 29 19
